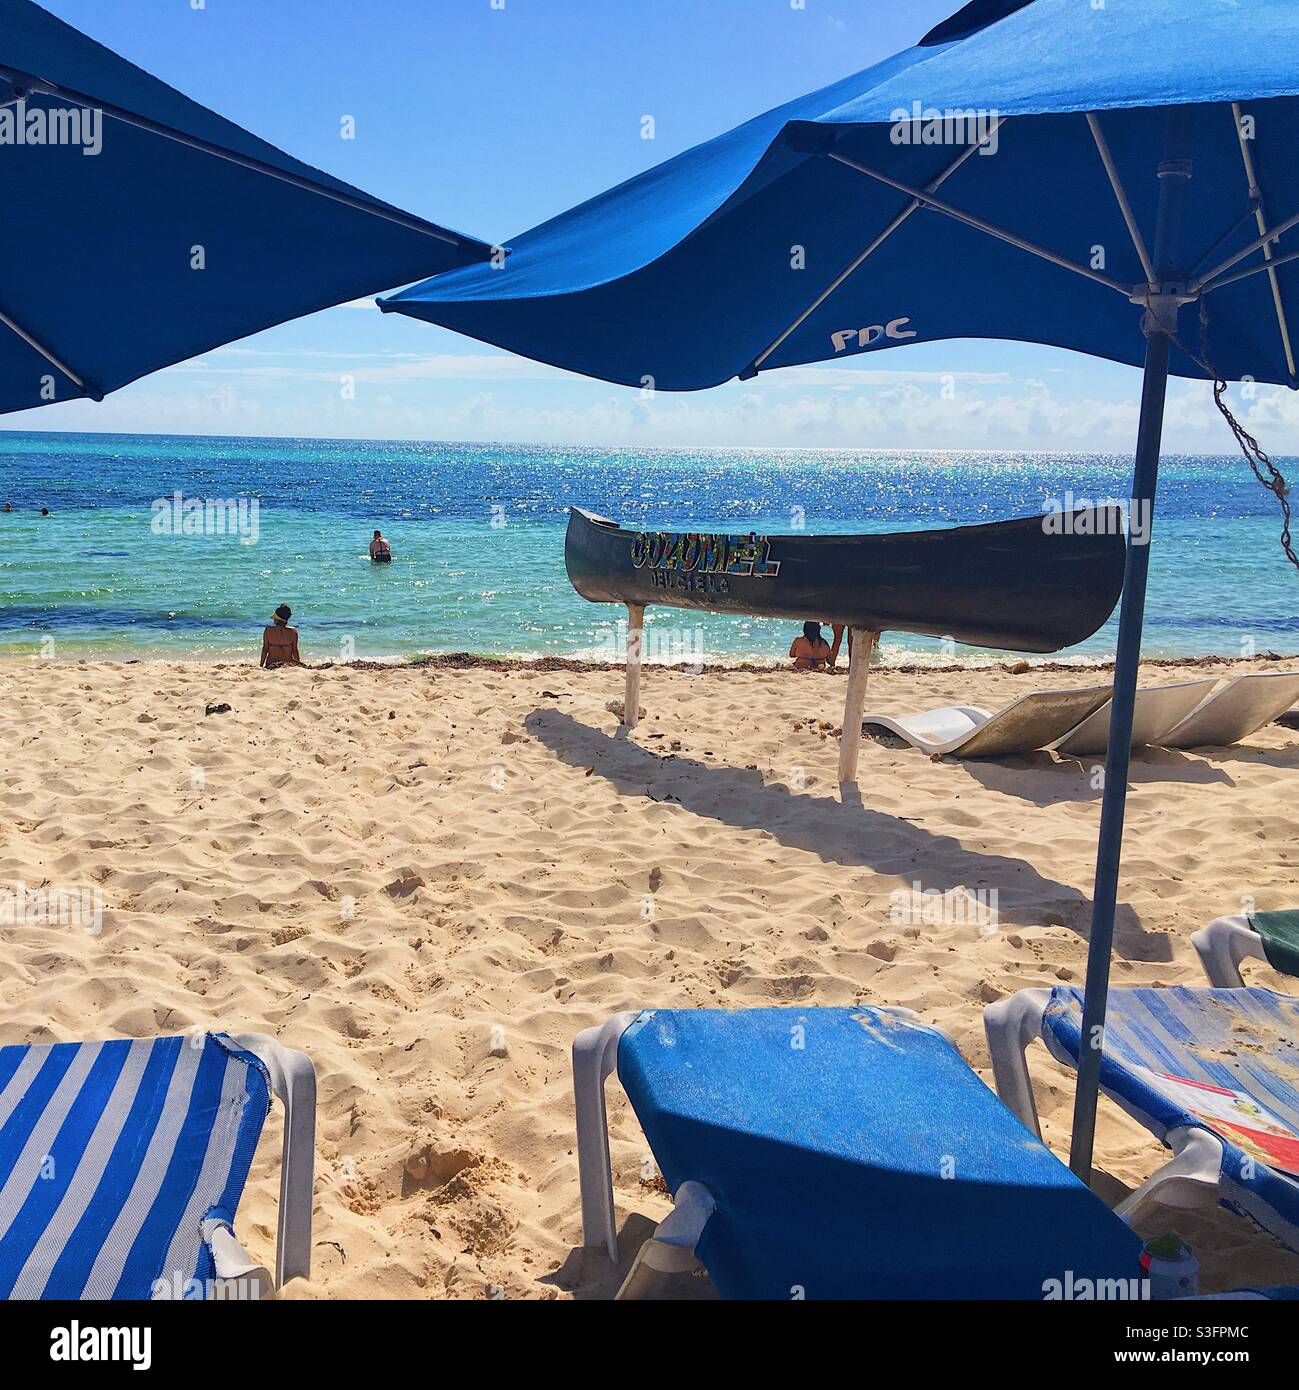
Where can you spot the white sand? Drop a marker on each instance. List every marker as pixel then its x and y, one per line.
pixel 518 873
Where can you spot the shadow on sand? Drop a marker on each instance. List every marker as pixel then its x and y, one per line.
pixel 1044 780
pixel 847 832
pixel 587 1274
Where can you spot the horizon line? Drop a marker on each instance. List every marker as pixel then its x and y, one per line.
pixel 638 447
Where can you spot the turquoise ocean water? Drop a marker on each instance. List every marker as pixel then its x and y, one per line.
pixel 478 532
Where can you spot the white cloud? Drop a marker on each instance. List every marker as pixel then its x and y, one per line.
pixel 499 397
pixel 369 367
pixel 280 365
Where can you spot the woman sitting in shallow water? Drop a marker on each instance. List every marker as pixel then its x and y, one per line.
pixel 810 651
pixel 280 641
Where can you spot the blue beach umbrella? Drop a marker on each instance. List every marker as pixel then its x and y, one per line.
pixel 1117 178
pixel 138 228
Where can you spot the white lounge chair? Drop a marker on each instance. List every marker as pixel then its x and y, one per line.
pixel 1029 723
pixel 1240 708
pixel 1156 712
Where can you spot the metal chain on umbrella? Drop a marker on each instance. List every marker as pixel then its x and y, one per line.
pixel 1267 473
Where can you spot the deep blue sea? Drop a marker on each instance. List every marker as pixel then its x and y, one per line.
pixel 478 534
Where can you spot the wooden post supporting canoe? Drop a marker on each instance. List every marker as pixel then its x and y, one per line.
pixel 863 644
pixel 635 641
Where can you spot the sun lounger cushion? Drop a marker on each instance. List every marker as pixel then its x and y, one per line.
pixel 854 1154
pixel 1244 1041
pixel 114 1155
pixel 1280 933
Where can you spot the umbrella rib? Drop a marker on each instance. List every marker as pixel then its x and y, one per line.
pixel 18 330
pixel 1207 282
pixel 756 365
pixel 1224 280
pixel 1221 242
pixel 1260 219
pixel 244 161
pixel 1121 197
pixel 982 225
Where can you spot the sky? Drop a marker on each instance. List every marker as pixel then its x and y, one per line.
pixel 492 115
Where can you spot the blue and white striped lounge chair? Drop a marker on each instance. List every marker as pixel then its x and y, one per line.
pixel 834 1153
pixel 122 1164
pixel 1203 1069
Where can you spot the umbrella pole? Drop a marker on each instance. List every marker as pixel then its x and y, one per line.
pixel 1163 303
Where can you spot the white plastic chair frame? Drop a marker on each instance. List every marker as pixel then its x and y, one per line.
pixel 293 1080
pixel 1189 1180
pixel 1222 945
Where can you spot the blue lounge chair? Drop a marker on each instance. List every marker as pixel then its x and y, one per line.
pixel 122 1164
pixel 835 1153
pixel 1231 1050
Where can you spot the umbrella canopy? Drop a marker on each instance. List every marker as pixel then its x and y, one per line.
pixel 1040 170
pixel 690 274
pixel 138 228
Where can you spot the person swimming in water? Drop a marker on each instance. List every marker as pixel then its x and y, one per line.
pixel 811 651
pixel 280 641
pixel 380 550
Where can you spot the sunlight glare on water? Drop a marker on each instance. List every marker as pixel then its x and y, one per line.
pixel 478 539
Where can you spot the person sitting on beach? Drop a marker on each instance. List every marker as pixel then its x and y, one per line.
pixel 280 641
pixel 810 651
pixel 380 550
